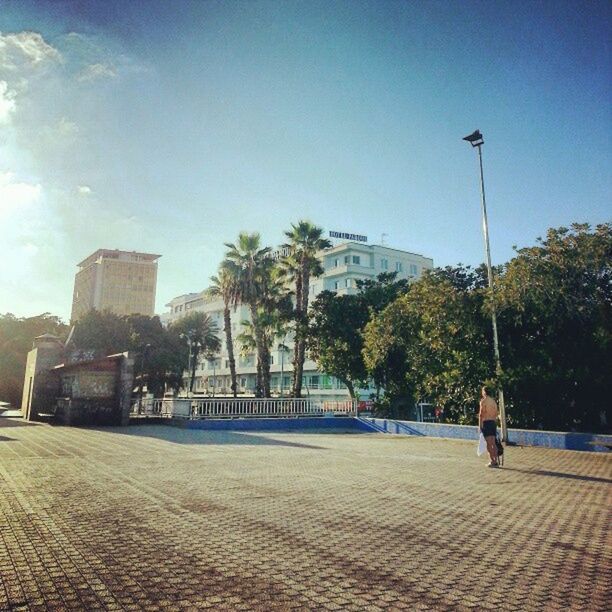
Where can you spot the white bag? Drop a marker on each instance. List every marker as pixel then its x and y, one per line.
pixel 482 445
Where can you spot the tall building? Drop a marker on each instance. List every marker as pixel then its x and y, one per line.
pixel 343 264
pixel 122 282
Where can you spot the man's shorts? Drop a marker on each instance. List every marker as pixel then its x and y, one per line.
pixel 489 428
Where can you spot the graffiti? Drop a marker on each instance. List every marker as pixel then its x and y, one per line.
pixel 79 355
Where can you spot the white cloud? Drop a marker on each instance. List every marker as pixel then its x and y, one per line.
pixel 17 196
pixel 84 189
pixel 7 103
pixel 25 48
pixel 93 72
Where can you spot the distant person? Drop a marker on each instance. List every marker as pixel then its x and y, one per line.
pixel 487 421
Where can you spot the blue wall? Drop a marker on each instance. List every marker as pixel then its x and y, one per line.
pixel 524 437
pixel 279 424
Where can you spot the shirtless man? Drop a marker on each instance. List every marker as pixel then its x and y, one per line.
pixel 487 421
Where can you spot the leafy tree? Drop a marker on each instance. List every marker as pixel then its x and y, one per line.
pixel 334 339
pixel 224 286
pixel 160 355
pixel 431 342
pixel 336 326
pixel 16 336
pixel 102 331
pixel 199 333
pixel 300 264
pixel 555 304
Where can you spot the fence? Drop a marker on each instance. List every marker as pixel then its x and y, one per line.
pixel 240 408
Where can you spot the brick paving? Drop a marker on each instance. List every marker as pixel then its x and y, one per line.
pixel 154 517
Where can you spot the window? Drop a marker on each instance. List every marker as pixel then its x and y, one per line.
pixel 413 270
pixel 336 285
pixel 398 266
pixel 346 259
pixel 347 282
pixel 336 262
pixel 384 264
pixel 356 259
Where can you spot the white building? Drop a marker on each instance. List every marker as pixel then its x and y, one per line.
pixel 344 264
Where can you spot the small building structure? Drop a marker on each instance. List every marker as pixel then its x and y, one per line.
pixel 96 392
pixel 76 387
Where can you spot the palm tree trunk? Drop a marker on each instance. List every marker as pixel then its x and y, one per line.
pixel 230 349
pixel 265 371
pixel 194 364
pixel 258 349
pixel 298 362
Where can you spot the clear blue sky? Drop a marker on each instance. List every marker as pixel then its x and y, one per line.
pixel 171 126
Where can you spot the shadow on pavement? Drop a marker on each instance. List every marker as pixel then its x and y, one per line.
pixel 15 422
pixel 198 436
pixel 559 475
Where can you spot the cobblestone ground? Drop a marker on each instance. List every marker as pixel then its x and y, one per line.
pixel 153 517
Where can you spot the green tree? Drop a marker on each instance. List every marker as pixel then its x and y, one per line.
pixel 16 336
pixel 160 356
pixel 102 331
pixel 335 338
pixel 199 333
pixel 251 266
pixel 431 342
pixel 301 264
pixel 555 304
pixel 224 286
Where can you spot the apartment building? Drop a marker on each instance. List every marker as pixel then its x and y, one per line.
pixel 123 282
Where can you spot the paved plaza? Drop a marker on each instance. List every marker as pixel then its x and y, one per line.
pixel 152 517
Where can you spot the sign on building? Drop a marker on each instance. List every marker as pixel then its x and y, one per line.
pixel 346 236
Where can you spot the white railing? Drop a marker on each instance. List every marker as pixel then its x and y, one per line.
pixel 184 408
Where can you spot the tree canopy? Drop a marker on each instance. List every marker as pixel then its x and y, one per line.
pixel 16 336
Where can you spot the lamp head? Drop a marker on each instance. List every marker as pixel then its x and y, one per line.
pixel 475 139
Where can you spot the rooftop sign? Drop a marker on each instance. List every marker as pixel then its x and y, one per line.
pixel 345 236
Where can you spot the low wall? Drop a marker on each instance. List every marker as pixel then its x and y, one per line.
pixel 88 411
pixel 523 437
pixel 275 424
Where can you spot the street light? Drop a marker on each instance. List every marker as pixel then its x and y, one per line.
pixel 192 363
pixel 282 348
pixel 143 361
pixel 476 140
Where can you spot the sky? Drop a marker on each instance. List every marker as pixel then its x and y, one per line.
pixel 170 127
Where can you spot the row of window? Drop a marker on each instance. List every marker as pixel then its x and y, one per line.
pixel 309 381
pixel 384 264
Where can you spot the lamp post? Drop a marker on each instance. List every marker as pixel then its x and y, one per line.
pixel 282 348
pixel 190 366
pixel 143 361
pixel 476 140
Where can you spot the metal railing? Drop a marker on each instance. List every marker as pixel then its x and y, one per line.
pixel 185 408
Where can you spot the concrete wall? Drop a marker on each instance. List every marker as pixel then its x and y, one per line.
pixel 40 387
pixel 279 424
pixel 524 437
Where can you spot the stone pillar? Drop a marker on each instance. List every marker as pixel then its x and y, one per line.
pixel 40 386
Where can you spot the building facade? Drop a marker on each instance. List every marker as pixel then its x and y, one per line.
pixel 344 264
pixel 122 282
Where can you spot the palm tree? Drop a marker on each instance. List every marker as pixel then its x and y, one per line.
pixel 301 264
pixel 251 266
pixel 271 323
pixel 200 333
pixel 224 286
